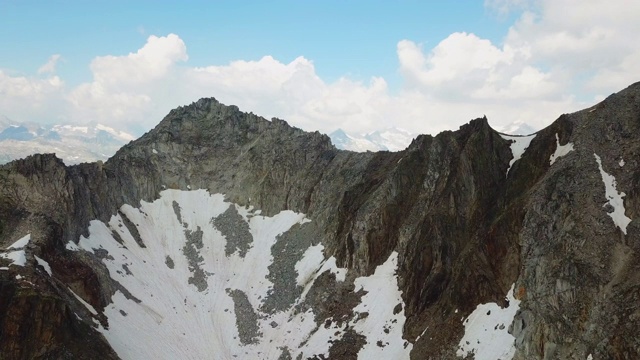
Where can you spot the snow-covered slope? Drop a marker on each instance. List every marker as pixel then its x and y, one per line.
pixel 391 139
pixel 519 145
pixel 486 331
pixel 202 278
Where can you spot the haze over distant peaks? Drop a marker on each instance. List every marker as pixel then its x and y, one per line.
pixel 518 128
pixel 391 139
pixel 72 143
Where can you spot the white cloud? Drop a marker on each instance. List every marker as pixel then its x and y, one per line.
pixel 50 66
pixel 123 86
pixel 151 62
pixel 25 98
pixel 464 77
pixel 617 76
pixel 26 87
pixel 505 7
pixel 458 58
pixel 556 58
pixel 576 40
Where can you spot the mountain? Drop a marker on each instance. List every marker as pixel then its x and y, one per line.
pixel 392 139
pixel 220 234
pixel 518 128
pixel 72 143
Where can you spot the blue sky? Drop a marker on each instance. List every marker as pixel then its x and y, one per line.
pixel 506 58
pixel 355 38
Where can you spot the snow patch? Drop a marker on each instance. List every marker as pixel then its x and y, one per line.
pixel 561 150
pixel 82 129
pixel 86 304
pixel 383 302
pixel 16 257
pixel 486 331
pixel 308 265
pixel 519 145
pixel 421 334
pixel 614 198
pixel 44 264
pixel 72 246
pixel 20 243
pixel 121 134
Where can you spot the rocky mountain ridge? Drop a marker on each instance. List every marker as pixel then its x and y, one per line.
pixel 470 224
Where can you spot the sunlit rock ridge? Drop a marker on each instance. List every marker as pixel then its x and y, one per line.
pixel 220 234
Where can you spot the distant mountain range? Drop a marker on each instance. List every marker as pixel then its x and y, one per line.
pixel 86 143
pixel 395 139
pixel 392 139
pixel 518 128
pixel 72 143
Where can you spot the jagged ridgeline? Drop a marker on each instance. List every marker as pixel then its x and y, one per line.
pixel 221 235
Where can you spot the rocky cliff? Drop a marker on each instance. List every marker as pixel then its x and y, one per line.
pixel 464 227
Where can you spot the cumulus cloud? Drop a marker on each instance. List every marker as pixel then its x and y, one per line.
pixel 30 98
pixel 461 57
pixel 550 62
pixel 26 87
pixel 471 76
pixel 123 86
pixel 582 41
pixel 151 62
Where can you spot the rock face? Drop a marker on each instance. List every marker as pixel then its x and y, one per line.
pixel 543 228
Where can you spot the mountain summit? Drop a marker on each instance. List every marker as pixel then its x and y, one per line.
pixel 220 234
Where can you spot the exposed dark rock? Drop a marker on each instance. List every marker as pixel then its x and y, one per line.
pixel 246 317
pixel 287 250
pixel 235 230
pixel 191 252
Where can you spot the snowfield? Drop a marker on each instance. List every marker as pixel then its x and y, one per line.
pixel 198 280
pixel 486 331
pixel 15 252
pixel 519 145
pixel 614 198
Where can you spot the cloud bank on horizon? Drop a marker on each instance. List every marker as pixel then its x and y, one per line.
pixel 557 57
